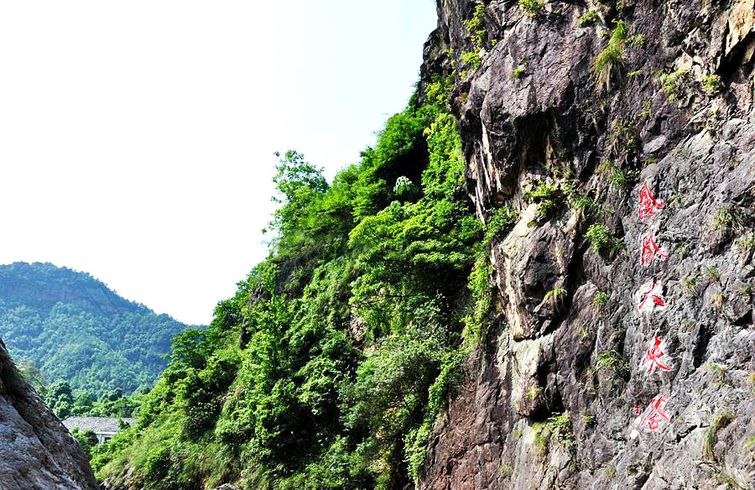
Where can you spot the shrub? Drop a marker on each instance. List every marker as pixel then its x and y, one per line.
pixel 600 299
pixel 675 84
pixel 560 427
pixel 531 7
pixel 599 237
pixel 712 84
pixel 588 18
pixel 471 58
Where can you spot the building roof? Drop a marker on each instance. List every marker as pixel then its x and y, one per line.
pixel 100 425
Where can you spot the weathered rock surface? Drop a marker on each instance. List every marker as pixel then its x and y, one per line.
pixel 560 347
pixel 36 450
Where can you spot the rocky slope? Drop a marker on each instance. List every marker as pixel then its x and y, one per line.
pixel 557 395
pixel 36 451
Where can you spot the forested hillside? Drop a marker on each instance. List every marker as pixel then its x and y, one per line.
pixel 76 330
pixel 329 365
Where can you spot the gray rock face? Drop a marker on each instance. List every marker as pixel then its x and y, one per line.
pixel 36 451
pixel 551 397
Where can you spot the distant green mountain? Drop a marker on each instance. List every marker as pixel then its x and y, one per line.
pixel 77 330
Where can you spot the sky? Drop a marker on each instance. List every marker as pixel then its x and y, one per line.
pixel 137 138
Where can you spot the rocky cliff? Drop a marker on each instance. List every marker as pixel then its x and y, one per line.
pixel 567 111
pixel 36 451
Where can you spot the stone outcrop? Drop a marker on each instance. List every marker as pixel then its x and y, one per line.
pixel 36 450
pixel 550 399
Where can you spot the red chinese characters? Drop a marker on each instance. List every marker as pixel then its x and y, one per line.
pixel 654 357
pixel 654 415
pixel 648 203
pixel 651 250
pixel 650 296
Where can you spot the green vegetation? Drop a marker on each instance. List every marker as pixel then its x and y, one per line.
pixel 711 273
pixel 519 71
pixel 600 238
pixel 675 84
pixel 588 18
pixel 614 361
pixel 689 283
pixel 531 7
pixel 67 403
pixel 720 420
pixel 476 26
pixel 727 218
pixel 600 299
pixel 67 326
pixel 560 427
pixel 471 59
pixel 555 297
pixel 329 366
pixel 712 84
pixel 545 195
pixel 608 63
pixel 720 373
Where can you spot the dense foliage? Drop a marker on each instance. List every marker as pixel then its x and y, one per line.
pixel 77 330
pixel 329 365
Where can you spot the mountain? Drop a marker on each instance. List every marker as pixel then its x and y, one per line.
pixel 541 276
pixel 36 450
pixel 77 330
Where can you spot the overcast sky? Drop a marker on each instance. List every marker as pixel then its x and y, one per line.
pixel 137 138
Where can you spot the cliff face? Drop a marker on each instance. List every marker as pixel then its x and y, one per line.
pixel 36 451
pixel 557 396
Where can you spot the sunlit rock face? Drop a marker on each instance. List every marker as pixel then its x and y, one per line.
pixel 557 394
pixel 36 450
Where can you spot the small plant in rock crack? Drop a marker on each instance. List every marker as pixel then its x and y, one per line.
pixel 584 332
pixel 727 218
pixel 531 7
pixel 476 26
pixel 601 240
pixel 588 18
pixel 747 242
pixel 675 84
pixel 711 273
pixel 717 301
pixel 616 177
pixel 746 290
pixel 588 420
pixel 556 297
pixel 719 372
pixel 600 299
pixel 711 84
pixel 728 480
pixel 533 392
pixel 560 427
pixel 614 361
pixel 582 202
pixel 608 63
pixel 720 420
pixel 689 284
pixel 518 72
pixel 609 471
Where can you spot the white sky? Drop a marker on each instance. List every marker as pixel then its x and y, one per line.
pixel 137 137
